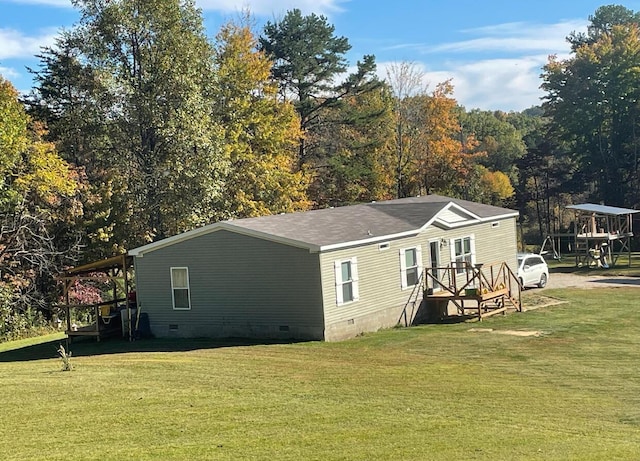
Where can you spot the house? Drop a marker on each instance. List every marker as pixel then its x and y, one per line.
pixel 326 274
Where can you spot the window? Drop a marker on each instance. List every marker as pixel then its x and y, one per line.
pixel 410 266
pixel 346 281
pixel 463 250
pixel 534 261
pixel 180 288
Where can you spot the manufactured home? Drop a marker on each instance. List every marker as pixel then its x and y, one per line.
pixel 326 274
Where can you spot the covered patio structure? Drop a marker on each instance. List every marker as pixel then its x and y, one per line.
pixel 105 317
pixel 601 234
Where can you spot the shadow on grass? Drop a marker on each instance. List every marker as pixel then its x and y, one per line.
pixel 619 281
pixel 85 347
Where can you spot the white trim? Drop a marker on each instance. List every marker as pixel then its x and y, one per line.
pixel 173 288
pixel 355 291
pixel 223 225
pixel 472 249
pixel 472 243
pixel 436 286
pixel 338 246
pixel 403 265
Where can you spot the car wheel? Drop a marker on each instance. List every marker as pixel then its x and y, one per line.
pixel 543 281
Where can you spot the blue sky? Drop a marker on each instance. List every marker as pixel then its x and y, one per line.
pixel 492 49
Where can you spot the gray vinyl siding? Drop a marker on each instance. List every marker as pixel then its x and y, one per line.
pixel 497 244
pixel 239 286
pixel 381 297
pixel 492 244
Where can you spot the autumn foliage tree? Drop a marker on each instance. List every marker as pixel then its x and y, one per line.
pixel 260 131
pixel 432 154
pixel 39 207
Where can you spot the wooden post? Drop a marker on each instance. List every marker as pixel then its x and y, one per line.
pixel 67 282
pixel 126 295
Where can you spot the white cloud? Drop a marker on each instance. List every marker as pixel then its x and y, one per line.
pixel 510 78
pixel 272 7
pixel 509 37
pixel 499 84
pixel 14 44
pixel 9 72
pixel 492 84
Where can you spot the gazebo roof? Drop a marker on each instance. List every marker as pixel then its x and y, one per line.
pixel 602 209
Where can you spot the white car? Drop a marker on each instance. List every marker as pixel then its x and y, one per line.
pixel 532 270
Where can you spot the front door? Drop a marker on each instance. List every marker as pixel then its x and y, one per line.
pixel 434 255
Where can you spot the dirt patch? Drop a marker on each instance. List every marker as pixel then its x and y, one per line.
pixel 532 301
pixel 523 333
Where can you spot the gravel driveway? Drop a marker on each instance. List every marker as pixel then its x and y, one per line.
pixel 560 280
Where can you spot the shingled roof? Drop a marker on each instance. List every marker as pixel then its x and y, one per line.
pixel 331 228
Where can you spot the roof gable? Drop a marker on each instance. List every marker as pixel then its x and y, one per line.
pixel 332 228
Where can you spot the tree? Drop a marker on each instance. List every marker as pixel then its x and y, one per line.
pixel 497 137
pixel 406 83
pixel 593 101
pixel 260 132
pixel 549 179
pixel 141 73
pixel 496 187
pixel 602 23
pixel 39 206
pixel 446 156
pixel 360 164
pixel 307 58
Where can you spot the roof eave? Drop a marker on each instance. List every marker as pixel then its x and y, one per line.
pixel 381 238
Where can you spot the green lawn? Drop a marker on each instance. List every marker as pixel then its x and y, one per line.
pixel 435 392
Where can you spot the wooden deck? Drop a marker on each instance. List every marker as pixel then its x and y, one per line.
pixel 469 291
pixel 104 323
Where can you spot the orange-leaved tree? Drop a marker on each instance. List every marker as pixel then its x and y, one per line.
pixel 445 157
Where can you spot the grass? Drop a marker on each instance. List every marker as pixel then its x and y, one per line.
pixel 622 267
pixel 434 392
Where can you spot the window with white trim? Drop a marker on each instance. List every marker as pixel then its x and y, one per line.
pixel 410 266
pixel 346 271
pixel 180 288
pixel 463 250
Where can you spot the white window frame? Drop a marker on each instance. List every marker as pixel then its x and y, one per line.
pixel 173 288
pixel 403 266
pixel 460 269
pixel 355 292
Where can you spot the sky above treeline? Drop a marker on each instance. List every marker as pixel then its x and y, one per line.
pixel 493 50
